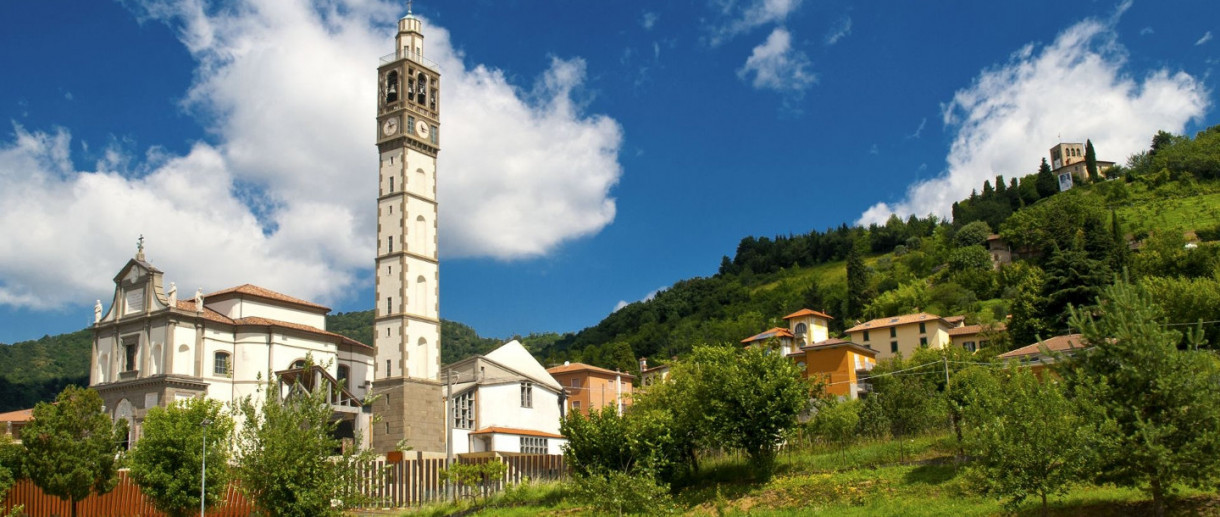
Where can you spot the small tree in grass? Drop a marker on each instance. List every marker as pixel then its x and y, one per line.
pixel 1027 439
pixel 166 462
pixel 746 399
pixel 836 422
pixel 71 446
pixel 289 461
pixel 1157 408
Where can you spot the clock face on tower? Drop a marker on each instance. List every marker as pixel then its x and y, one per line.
pixel 389 127
pixel 421 128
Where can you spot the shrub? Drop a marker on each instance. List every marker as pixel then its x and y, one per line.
pixel 620 493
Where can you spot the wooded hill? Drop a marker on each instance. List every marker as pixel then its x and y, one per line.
pixel 1075 242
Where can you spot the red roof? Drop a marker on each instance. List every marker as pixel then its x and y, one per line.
pixel 836 343
pixel 895 321
pixel 1056 344
pixel 264 293
pixel 21 415
pixel 582 367
pixel 523 432
pixel 808 312
pixel 775 332
pixel 211 315
pixel 970 330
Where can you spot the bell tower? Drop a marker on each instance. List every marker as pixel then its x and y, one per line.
pixel 407 307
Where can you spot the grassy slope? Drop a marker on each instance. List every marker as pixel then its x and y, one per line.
pixel 873 479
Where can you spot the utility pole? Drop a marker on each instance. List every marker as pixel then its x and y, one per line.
pixel 203 469
pixel 450 411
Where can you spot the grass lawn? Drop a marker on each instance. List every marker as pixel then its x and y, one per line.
pixel 913 478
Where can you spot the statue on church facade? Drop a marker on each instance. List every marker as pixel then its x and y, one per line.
pixel 173 295
pixel 199 300
pixel 97 311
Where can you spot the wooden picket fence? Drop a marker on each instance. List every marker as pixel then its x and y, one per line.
pixel 411 482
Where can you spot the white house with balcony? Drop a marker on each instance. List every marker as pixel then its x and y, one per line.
pixel 151 349
pixel 504 402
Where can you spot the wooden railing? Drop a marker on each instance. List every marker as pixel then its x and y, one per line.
pixel 411 482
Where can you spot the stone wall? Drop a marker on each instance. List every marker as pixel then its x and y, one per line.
pixel 411 409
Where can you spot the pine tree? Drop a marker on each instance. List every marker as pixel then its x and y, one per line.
pixel 858 294
pixel 1155 407
pixel 1047 186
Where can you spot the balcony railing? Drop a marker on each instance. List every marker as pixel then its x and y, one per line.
pixel 412 56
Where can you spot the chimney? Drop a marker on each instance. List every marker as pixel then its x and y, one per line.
pixel 567 363
pixel 643 363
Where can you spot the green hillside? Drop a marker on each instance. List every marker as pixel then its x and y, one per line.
pixel 1076 242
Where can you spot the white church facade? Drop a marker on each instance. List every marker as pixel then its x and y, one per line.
pixel 151 349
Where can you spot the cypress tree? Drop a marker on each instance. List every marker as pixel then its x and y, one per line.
pixel 1090 160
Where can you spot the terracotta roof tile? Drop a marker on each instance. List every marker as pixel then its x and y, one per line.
pixel 1055 344
pixel 208 314
pixel 510 430
pixel 21 415
pixel 835 343
pixel 808 312
pixel 969 330
pixel 261 292
pixel 254 321
pixel 775 332
pixel 581 367
pixel 211 315
pixel 895 321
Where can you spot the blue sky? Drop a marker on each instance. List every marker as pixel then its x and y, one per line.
pixel 592 152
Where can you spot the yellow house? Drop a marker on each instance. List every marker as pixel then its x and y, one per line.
pixel 904 334
pixel 842 365
pixel 808 327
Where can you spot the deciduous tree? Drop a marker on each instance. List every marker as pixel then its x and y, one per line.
pixel 290 462
pixel 71 446
pixel 166 462
pixel 1026 438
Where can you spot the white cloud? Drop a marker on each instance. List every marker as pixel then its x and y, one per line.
pixel 873 150
pixel 284 196
pixel 775 65
pixel 1076 87
pixel 1147 31
pixel 649 20
pixel 919 130
pixel 840 30
pixel 648 297
pixel 1206 38
pixel 740 16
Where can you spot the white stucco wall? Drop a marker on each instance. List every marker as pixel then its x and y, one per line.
pixel 500 406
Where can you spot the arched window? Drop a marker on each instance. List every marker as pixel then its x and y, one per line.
pixel 221 365
pixel 800 329
pixel 298 364
pixel 391 86
pixel 345 372
pixel 421 290
pixel 421 236
pixel 421 87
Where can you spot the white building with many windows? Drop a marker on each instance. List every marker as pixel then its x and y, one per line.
pixel 504 402
pixel 151 349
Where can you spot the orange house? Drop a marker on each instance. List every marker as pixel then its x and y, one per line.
pixel 588 386
pixel 842 365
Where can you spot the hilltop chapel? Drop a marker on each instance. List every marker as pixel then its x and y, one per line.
pixel 150 348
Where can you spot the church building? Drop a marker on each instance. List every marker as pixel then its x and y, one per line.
pixel 151 349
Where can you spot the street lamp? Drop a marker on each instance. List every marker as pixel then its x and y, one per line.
pixel 203 469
